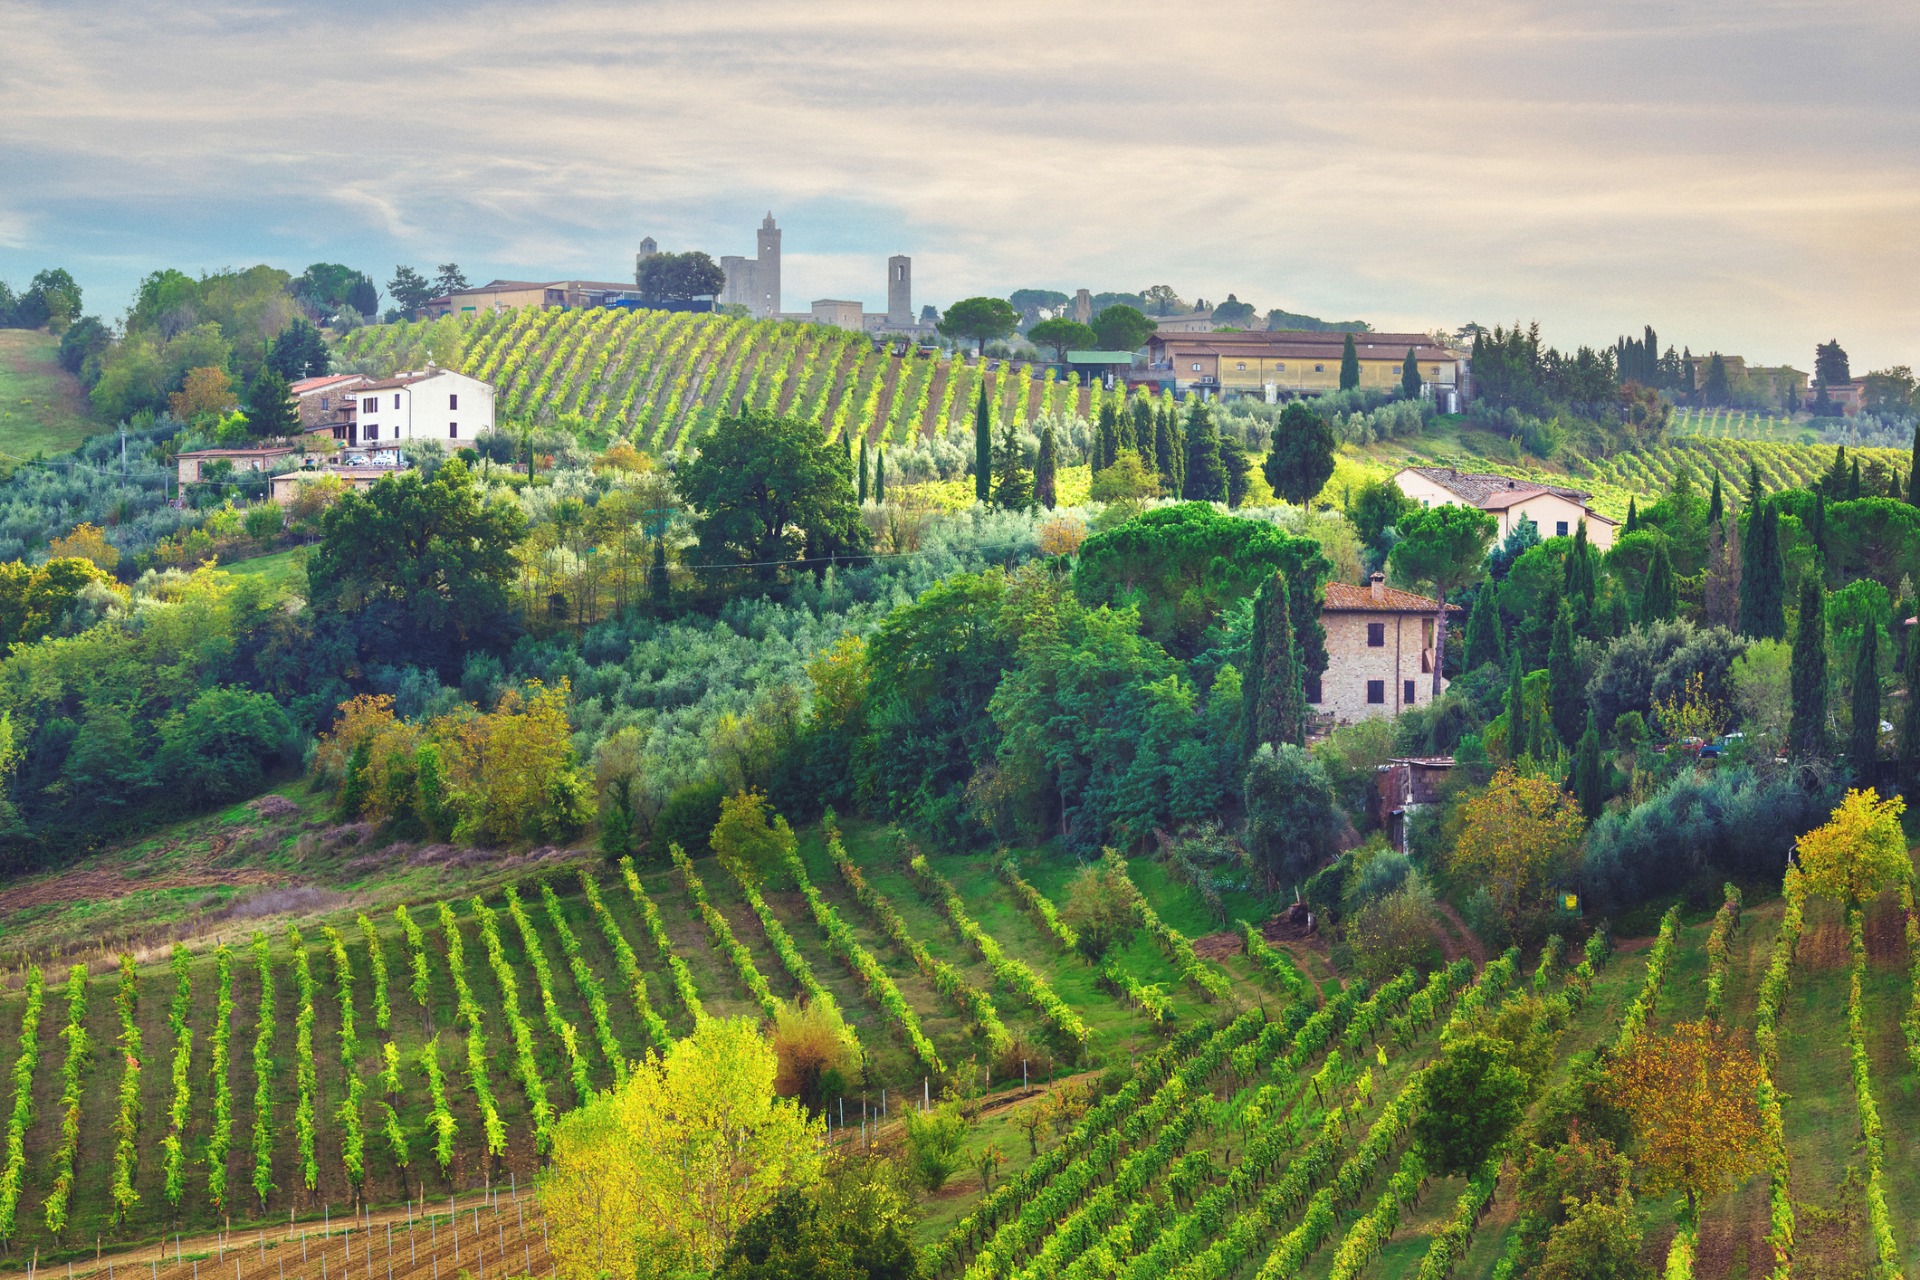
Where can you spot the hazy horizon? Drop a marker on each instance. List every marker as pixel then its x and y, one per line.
pixel 1743 177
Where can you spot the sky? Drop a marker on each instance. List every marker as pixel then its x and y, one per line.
pixel 1742 174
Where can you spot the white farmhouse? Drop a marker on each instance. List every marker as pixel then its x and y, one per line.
pixel 1558 512
pixel 433 404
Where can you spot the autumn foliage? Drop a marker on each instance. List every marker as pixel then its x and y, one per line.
pixel 1514 836
pixel 1860 851
pixel 1691 1094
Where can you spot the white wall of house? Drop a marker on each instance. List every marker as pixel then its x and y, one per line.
pixel 449 407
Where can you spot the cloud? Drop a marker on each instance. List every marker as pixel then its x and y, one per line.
pixel 1743 175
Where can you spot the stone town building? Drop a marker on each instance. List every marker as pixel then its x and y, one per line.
pixel 754 282
pixel 509 295
pixel 1379 652
pixel 318 400
pixel 1556 511
pixel 1277 364
pixel 427 404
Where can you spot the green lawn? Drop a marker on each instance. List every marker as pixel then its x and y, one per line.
pixel 42 408
pixel 285 571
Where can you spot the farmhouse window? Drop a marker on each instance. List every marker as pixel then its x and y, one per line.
pixel 1376 635
pixel 1242 366
pixel 453 431
pixel 1408 695
pixel 1377 692
pixel 1319 368
pixel 453 400
pixel 373 432
pixel 372 405
pixel 1196 368
pixel 1560 528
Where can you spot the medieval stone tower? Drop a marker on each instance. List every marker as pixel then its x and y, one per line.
pixel 648 248
pixel 755 282
pixel 899 291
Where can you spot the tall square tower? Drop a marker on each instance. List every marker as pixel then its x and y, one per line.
pixel 899 291
pixel 766 272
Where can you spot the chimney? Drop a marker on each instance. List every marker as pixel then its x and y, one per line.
pixel 1377 584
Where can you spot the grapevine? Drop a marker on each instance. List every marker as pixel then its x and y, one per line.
pixel 562 1030
pixel 174 1161
pixel 589 985
pixel 13 1176
pixel 79 1049
pixel 1276 964
pixel 723 937
pixel 1724 921
pixel 1013 974
pixel 1008 869
pixel 126 1124
pixel 682 979
pixel 440 1119
pixel 353 1145
pixel 1176 946
pixel 303 1061
pixel 974 1003
pixel 263 1071
pixel 468 1012
pixel 529 1070
pixel 791 960
pixel 377 965
pixel 221 1139
pixel 421 983
pixel 860 962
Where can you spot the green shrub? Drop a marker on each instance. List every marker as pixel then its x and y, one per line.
pixel 688 818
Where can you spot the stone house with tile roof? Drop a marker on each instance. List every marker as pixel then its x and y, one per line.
pixel 1380 652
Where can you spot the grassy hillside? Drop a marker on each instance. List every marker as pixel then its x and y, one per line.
pixel 658 377
pixel 42 407
pixel 255 867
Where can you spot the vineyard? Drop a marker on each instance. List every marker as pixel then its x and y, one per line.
pixel 1734 424
pixel 383 1061
pixel 663 378
pixel 1644 474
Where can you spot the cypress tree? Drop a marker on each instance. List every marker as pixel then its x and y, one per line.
pixel 1913 472
pixel 1615 616
pixel 616 821
pixel 1163 453
pixel 1564 694
pixel 659 585
pixel 1274 689
pixel 1589 775
pixel 1754 491
pixel 1853 482
pixel 354 787
pixel 1106 438
pixel 1910 723
pixel 1516 709
pixel 1817 531
pixel 1716 504
pixel 1349 365
pixel 982 448
pixel 1142 414
pixel 1483 630
pixel 1864 748
pixel 1807 728
pixel 1205 478
pixel 1045 484
pixel 1410 376
pixel 1656 593
pixel 1633 516
pixel 880 476
pixel 1773 599
pixel 863 471
pixel 1013 491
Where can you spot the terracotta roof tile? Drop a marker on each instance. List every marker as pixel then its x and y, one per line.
pixel 1477 487
pixel 1344 597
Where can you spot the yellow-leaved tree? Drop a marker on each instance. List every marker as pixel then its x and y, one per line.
pixel 1692 1097
pixel 1514 835
pixel 745 838
pixel 1860 851
pixel 658 1176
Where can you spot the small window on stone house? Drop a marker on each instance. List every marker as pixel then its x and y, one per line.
pixel 1411 696
pixel 1376 635
pixel 1377 692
